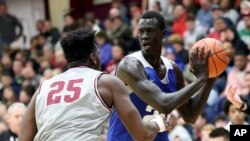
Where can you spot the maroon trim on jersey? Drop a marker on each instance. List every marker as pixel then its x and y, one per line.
pixel 98 95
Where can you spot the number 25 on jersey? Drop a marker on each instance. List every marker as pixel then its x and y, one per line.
pixel 71 94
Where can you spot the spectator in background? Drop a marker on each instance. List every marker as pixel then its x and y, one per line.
pixel 108 25
pixel 219 25
pixel 191 6
pixel 227 7
pixel 105 49
pixel 8 96
pixel 8 25
pixel 69 23
pixel 205 131
pixel 17 68
pixel 217 11
pixel 192 32
pixel 169 53
pixel 15 115
pixel 91 21
pixel 219 134
pixel 168 12
pixel 39 26
pixel 179 20
pixel 231 35
pixel 220 121
pixel 26 94
pixel 123 11
pixel 51 33
pixel 242 103
pixel 135 11
pixel 236 117
pixel 6 61
pixel 204 15
pixel 121 30
pixel 244 9
pixel 157 7
pixel 235 77
pixel 245 32
pixel 177 43
pixel 6 81
pixel 117 55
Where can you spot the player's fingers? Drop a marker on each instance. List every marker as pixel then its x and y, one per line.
pixel 207 54
pixel 201 53
pixel 192 56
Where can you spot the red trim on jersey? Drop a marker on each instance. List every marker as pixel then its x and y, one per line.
pixel 98 95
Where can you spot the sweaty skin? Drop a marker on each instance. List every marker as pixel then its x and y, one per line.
pixel 189 100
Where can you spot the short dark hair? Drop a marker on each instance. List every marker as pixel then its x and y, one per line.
pixel 2 3
pixel 101 34
pixel 158 16
pixel 78 45
pixel 30 90
pixel 220 132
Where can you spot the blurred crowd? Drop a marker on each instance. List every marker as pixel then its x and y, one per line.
pixel 22 70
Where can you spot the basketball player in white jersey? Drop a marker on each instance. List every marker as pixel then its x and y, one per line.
pixel 74 105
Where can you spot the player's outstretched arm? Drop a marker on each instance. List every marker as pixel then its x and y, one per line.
pixel 28 127
pixel 131 72
pixel 191 109
pixel 139 130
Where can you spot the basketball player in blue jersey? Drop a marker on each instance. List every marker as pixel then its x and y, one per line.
pixel 157 83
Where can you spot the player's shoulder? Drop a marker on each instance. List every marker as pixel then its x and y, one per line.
pixel 107 79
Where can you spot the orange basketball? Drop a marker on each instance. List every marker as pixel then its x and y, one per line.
pixel 219 55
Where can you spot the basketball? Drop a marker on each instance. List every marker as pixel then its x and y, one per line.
pixel 219 55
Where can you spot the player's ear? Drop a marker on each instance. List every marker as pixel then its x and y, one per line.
pixel 93 58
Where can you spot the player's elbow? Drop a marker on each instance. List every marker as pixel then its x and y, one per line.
pixel 166 108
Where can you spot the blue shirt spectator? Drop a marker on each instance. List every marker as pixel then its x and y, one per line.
pixel 105 49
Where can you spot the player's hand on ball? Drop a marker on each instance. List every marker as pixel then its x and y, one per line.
pixel 199 60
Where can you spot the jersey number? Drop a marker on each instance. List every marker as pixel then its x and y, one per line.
pixel 55 96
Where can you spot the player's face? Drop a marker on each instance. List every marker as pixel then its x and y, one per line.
pixel 150 36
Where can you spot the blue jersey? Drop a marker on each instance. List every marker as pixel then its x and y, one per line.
pixel 117 131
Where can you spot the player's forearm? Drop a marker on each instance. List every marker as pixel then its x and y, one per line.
pixel 193 108
pixel 150 131
pixel 176 99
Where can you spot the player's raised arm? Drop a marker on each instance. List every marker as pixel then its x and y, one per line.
pixel 28 127
pixel 139 130
pixel 132 72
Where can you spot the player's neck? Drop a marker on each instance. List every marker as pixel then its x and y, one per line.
pixel 153 59
pixel 78 64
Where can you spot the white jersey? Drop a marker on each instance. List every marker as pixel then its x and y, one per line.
pixel 69 107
